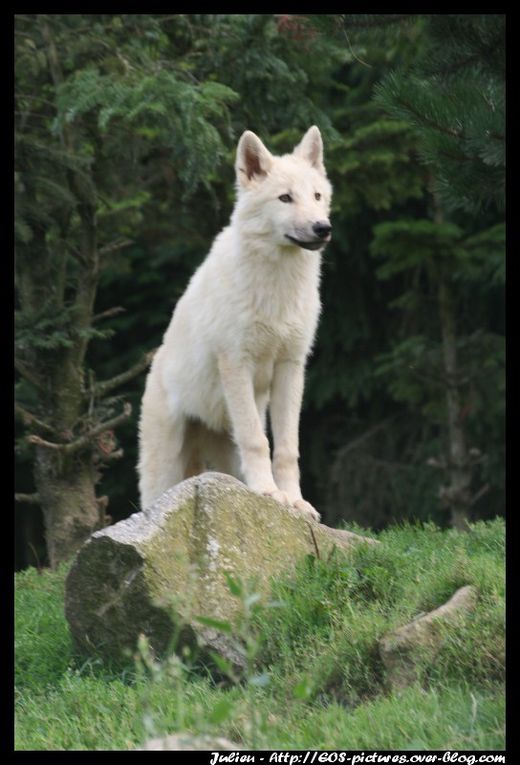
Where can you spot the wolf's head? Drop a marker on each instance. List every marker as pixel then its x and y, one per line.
pixel 285 198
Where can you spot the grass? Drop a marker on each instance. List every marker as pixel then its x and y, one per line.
pixel 315 678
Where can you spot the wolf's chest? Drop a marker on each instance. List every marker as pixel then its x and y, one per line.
pixel 264 341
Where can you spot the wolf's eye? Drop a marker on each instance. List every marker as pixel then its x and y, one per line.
pixel 317 195
pixel 285 198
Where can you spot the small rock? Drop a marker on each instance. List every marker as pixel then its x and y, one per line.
pixel 187 742
pixel 403 649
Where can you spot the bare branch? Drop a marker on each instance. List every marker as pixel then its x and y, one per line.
pixel 437 462
pixel 117 244
pixel 29 499
pixel 37 441
pixel 111 456
pixel 108 425
pixel 357 442
pixel 86 439
pixel 102 388
pixel 480 493
pixel 109 312
pixel 30 419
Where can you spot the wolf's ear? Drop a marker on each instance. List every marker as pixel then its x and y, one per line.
pixel 253 159
pixel 311 148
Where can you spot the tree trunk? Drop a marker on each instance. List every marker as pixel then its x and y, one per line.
pixel 65 479
pixel 457 493
pixel 65 485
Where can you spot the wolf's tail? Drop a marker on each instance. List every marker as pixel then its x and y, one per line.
pixel 161 438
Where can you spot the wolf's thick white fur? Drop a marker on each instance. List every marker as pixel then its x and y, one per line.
pixel 240 335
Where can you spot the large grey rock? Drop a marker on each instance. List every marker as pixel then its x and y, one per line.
pixel 403 650
pixel 157 571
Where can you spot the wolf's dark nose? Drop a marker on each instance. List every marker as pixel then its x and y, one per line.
pixel 322 229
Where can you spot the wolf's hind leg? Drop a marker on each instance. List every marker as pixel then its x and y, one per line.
pixel 161 447
pixel 207 449
pixel 222 454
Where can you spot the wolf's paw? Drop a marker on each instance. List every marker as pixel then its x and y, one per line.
pixel 298 504
pixel 280 496
pixel 307 509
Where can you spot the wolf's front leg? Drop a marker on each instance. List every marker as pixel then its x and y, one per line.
pixel 248 432
pixel 286 401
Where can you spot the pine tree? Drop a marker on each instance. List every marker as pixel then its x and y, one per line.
pixel 453 100
pixel 450 370
pixel 97 98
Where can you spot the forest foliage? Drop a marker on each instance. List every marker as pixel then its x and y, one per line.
pixel 129 123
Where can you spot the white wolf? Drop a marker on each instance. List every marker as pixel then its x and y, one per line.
pixel 240 335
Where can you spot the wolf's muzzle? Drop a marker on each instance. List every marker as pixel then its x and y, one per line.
pixel 322 229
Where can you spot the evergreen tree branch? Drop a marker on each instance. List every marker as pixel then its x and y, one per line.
pixel 428 121
pixel 89 254
pixel 52 53
pixel 484 52
pixel 27 373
